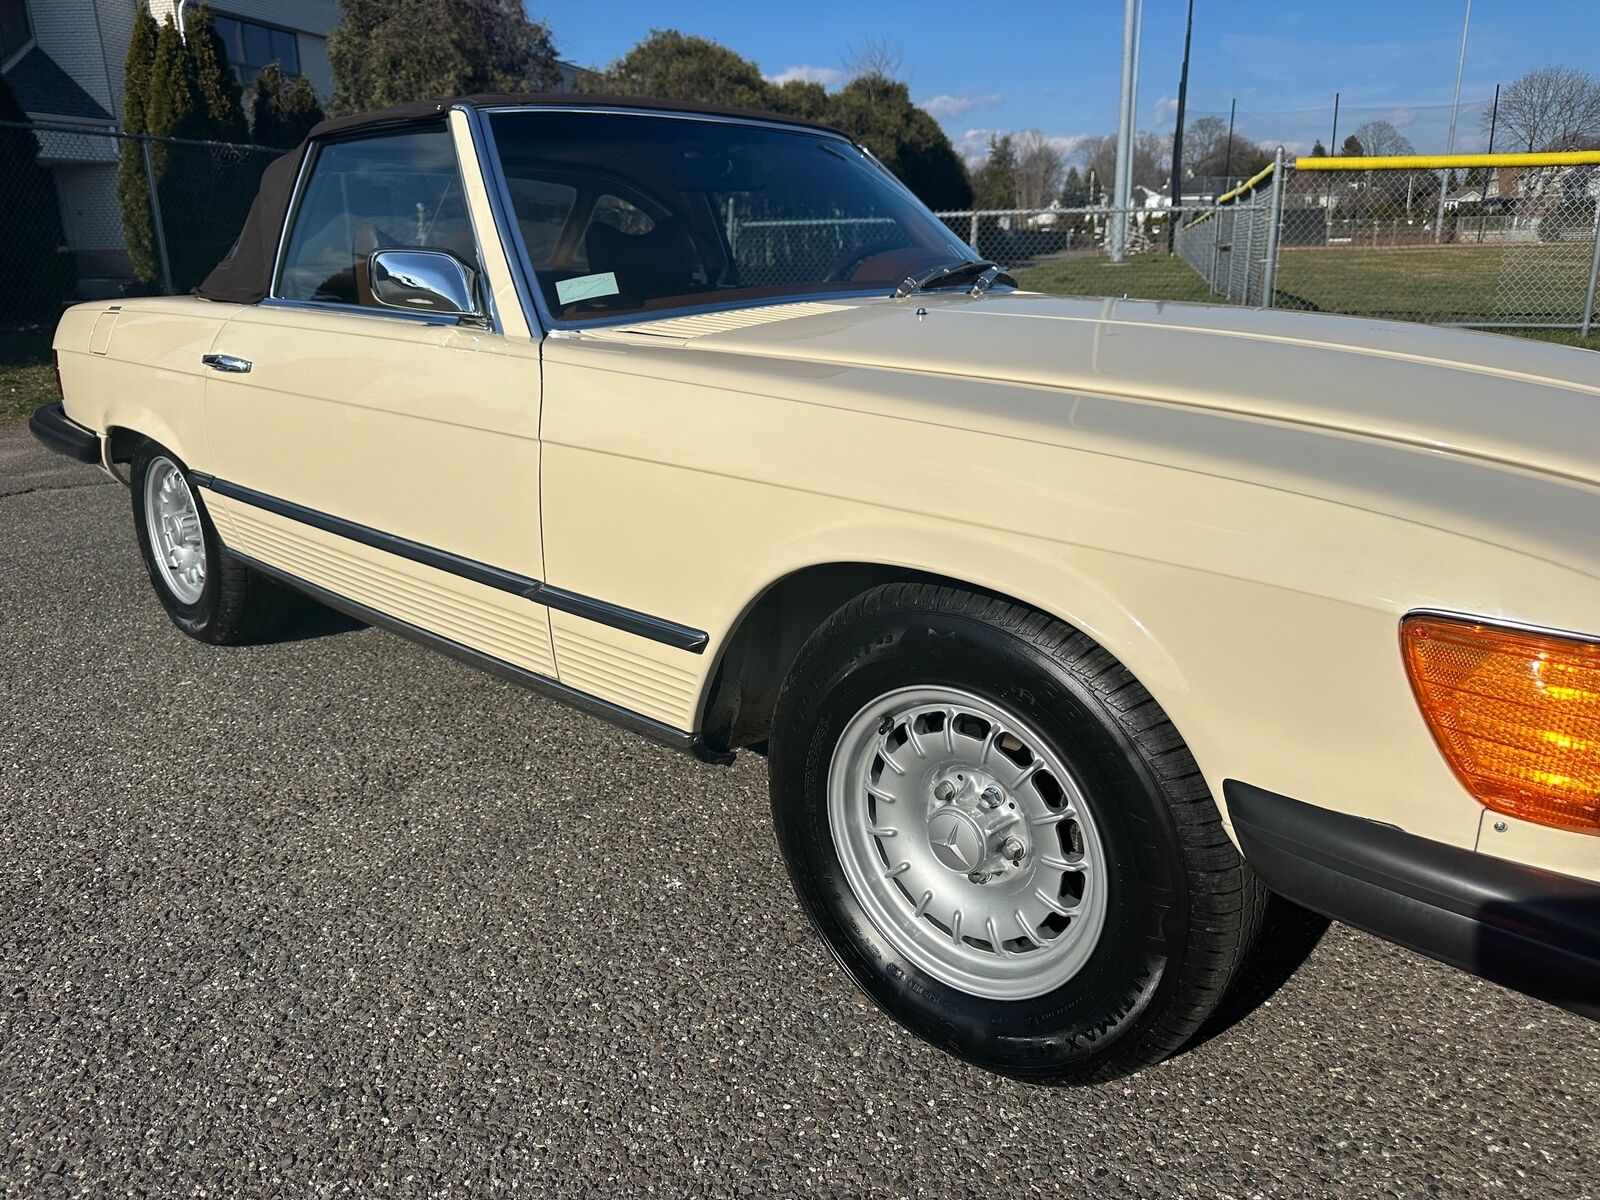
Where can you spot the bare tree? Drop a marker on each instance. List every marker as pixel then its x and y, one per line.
pixel 1204 140
pixel 1152 159
pixel 875 61
pixel 1555 108
pixel 1380 139
pixel 1039 169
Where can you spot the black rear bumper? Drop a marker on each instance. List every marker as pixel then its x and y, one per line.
pixel 51 425
pixel 1531 930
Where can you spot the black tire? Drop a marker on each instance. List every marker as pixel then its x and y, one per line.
pixel 1182 909
pixel 236 604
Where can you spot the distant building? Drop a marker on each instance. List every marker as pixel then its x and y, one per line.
pixel 63 59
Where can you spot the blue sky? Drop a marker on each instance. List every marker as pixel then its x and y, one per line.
pixel 1055 66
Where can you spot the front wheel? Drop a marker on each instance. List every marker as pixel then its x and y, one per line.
pixel 1002 837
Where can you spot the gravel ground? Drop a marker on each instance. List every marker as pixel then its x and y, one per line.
pixel 337 916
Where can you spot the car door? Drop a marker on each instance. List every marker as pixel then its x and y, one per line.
pixel 388 457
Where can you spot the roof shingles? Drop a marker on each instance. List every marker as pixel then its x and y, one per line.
pixel 44 89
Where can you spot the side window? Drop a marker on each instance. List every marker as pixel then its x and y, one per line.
pixel 395 191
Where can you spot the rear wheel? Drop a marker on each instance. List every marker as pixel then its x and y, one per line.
pixel 208 596
pixel 1002 837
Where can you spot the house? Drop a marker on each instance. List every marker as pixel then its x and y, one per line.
pixel 63 59
pixel 1465 195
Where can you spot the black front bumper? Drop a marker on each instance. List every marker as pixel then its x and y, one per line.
pixel 1531 930
pixel 51 425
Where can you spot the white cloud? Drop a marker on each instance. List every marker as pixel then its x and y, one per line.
pixel 947 108
pixel 973 144
pixel 1166 111
pixel 826 76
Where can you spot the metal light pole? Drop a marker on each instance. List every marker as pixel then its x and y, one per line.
pixel 1450 140
pixel 1122 184
pixel 1177 135
pixel 1333 150
pixel 1227 165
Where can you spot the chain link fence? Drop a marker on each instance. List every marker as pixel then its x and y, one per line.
pixel 1065 251
pixel 93 211
pixel 1517 247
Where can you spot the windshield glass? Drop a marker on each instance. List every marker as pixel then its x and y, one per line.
pixel 622 213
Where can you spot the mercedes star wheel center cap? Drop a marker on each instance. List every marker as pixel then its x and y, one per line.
pixel 956 840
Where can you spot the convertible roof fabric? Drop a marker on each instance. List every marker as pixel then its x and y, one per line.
pixel 245 275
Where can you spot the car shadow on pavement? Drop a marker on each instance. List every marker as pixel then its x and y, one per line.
pixel 310 621
pixel 1289 934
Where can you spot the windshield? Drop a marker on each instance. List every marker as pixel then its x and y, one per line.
pixel 621 213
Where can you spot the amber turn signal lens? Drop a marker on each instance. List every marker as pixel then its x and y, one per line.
pixel 1517 715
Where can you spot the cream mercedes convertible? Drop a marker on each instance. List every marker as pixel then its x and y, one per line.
pixel 1069 627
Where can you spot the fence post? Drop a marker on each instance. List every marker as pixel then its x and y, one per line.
pixel 1594 272
pixel 1269 274
pixel 155 218
pixel 973 240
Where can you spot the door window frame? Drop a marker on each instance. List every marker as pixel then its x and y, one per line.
pixel 297 197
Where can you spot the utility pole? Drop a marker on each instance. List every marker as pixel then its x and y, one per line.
pixel 1227 163
pixel 1122 185
pixel 1333 150
pixel 1177 135
pixel 1450 140
pixel 1494 119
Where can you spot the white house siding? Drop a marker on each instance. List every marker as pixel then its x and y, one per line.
pixel 314 64
pixel 92 219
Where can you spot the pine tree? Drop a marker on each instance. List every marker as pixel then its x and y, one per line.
pixel 299 110
pixel 282 113
pixel 171 103
pixel 220 102
pixel 995 183
pixel 36 273
pixel 132 186
pixel 1318 150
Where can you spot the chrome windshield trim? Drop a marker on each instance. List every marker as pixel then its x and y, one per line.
pixel 506 227
pixel 361 310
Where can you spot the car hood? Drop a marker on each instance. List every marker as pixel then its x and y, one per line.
pixel 1506 400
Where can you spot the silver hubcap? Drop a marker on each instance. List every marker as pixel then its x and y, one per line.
pixel 968 842
pixel 173 521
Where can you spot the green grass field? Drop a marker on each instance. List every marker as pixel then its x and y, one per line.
pixel 1426 283
pixel 26 377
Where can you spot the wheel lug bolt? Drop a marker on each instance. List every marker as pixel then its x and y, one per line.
pixel 944 791
pixel 1013 849
pixel 992 797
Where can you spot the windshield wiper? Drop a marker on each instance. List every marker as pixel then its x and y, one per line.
pixel 988 274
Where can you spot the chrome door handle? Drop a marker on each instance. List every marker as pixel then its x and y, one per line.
pixel 226 362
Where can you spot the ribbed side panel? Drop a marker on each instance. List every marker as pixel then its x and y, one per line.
pixel 630 675
pixel 497 623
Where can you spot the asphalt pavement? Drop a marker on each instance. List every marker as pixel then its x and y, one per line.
pixel 335 915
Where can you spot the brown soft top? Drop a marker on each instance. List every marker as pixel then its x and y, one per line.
pixel 245 276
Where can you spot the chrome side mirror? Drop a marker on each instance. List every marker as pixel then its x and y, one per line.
pixel 429 281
